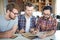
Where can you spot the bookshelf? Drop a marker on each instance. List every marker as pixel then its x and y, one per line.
pixel 40 3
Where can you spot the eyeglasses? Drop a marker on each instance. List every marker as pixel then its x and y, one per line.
pixel 14 13
pixel 46 14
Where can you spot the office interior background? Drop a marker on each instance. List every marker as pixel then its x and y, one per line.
pixel 39 5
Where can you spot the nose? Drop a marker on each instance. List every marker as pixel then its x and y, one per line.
pixel 30 11
pixel 16 15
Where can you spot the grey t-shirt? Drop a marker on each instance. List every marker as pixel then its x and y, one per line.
pixel 6 25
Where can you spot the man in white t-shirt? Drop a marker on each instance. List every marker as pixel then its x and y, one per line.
pixel 9 22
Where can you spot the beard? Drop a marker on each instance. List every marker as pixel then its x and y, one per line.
pixel 46 17
pixel 11 17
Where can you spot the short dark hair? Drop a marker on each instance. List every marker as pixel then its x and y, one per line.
pixel 10 6
pixel 47 8
pixel 28 4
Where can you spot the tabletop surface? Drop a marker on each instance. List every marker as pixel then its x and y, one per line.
pixel 20 37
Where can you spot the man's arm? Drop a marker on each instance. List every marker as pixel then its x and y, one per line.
pixel 52 31
pixel 21 24
pixel 14 28
pixel 49 33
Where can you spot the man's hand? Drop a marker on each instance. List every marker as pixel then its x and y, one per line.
pixel 34 31
pixel 22 31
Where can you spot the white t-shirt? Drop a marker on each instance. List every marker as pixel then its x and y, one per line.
pixel 6 25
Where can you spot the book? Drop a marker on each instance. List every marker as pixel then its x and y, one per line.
pixel 29 35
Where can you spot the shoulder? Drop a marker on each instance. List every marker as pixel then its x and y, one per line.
pixel 53 19
pixel 33 17
pixel 1 16
pixel 21 16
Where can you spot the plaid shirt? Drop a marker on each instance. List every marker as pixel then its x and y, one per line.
pixel 22 22
pixel 46 25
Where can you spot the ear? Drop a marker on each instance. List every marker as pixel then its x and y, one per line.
pixel 8 11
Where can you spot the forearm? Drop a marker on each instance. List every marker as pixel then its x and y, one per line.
pixel 14 29
pixel 49 33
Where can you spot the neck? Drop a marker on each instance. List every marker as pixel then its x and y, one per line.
pixel 27 16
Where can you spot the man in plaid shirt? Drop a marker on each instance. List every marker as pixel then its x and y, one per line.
pixel 26 22
pixel 46 24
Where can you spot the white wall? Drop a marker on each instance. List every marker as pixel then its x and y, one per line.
pixel 3 4
pixel 57 9
pixel 1 7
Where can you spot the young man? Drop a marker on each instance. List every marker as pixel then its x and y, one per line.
pixel 9 22
pixel 46 24
pixel 26 22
